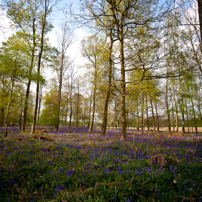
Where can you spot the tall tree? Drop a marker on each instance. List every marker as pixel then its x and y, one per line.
pixel 25 16
pixel 200 16
pixel 47 8
pixel 66 40
pixel 13 64
pixel 91 51
pixel 110 59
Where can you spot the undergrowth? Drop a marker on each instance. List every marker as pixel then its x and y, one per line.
pixel 79 166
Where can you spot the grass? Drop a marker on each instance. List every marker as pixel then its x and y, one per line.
pixel 82 166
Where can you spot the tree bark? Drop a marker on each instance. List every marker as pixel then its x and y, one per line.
pixel 157 117
pixel 77 107
pixel 94 95
pixel 153 117
pixel 123 85
pixel 59 93
pixel 182 107
pixel 30 73
pixel 200 16
pixel 70 102
pixel 137 109
pixel 167 106
pixel 194 114
pixel 104 122
pixel 142 116
pixel 9 102
pixel 176 110
pixel 39 66
pixel 147 113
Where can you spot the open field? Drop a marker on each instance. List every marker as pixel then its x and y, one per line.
pixel 82 166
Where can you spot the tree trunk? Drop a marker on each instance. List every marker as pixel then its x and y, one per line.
pixel 38 69
pixel 93 112
pixel 21 110
pixel 182 107
pixel 104 122
pixel 142 116
pixel 59 93
pixel 137 115
pixel 77 107
pixel 70 102
pixel 1 116
pixel 90 108
pixel 176 110
pixel 153 117
pixel 167 106
pixel 157 117
pixel 147 113
pixel 200 16
pixel 66 111
pixel 9 102
pixel 123 86
pixel 29 80
pixel 187 115
pixel 39 108
pixel 194 114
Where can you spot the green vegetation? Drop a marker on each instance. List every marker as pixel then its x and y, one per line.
pixel 82 166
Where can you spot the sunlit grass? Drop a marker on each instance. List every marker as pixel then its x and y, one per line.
pixel 82 166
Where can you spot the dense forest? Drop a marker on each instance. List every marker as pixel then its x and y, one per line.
pixel 142 69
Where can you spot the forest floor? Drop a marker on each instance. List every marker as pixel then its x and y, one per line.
pixel 81 166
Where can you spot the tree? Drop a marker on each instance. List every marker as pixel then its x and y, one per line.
pixel 12 66
pixel 200 16
pixel 46 10
pixel 25 16
pixel 91 51
pixel 66 40
pixel 110 61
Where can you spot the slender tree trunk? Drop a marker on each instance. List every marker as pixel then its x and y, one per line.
pixel 59 93
pixel 104 122
pixel 176 110
pixel 59 99
pixel 90 108
pixel 194 114
pixel 2 108
pixel 147 112
pixel 142 116
pixel 39 108
pixel 9 102
pixel 1 116
pixel 187 115
pixel 29 80
pixel 21 110
pixel 115 113
pixel 137 109
pixel 66 111
pixel 123 86
pixel 173 117
pixel 77 107
pixel 70 102
pixel 182 107
pixel 38 69
pixel 94 94
pixel 153 117
pixel 167 106
pixel 157 117
pixel 200 16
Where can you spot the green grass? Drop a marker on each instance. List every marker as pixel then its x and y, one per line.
pixel 89 167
